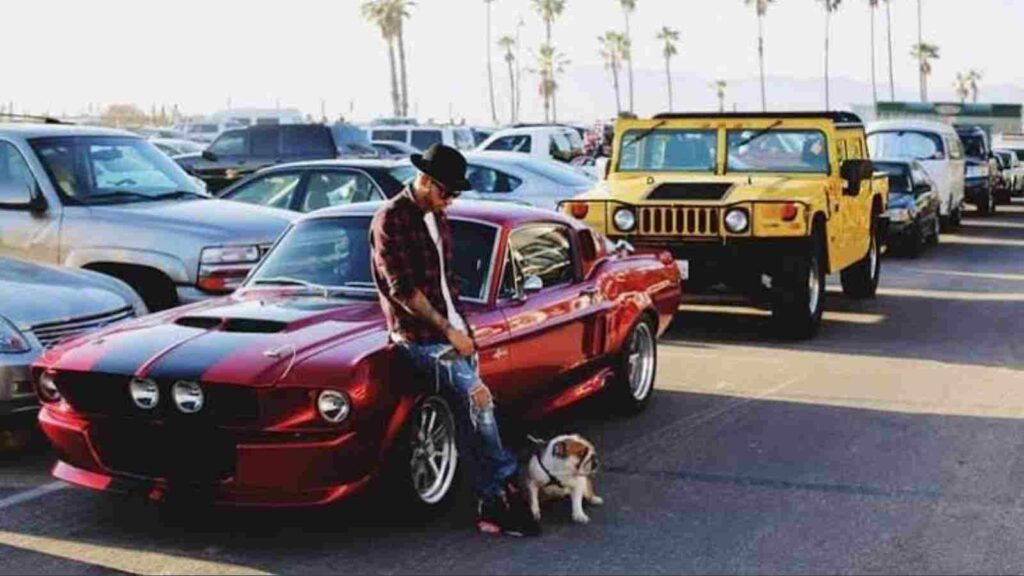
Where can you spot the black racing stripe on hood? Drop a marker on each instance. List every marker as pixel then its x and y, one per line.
pixel 193 359
pixel 126 352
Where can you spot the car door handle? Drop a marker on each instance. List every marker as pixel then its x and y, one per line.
pixel 590 291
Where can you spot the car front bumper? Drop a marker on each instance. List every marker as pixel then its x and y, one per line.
pixel 17 395
pixel 977 190
pixel 255 469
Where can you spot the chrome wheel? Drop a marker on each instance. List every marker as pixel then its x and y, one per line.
pixel 640 360
pixel 813 286
pixel 873 257
pixel 434 456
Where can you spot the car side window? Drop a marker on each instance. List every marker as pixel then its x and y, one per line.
pixel 336 188
pixel 300 140
pixel 13 168
pixel 490 181
pixel 520 143
pixel 230 144
pixel 544 250
pixel 263 142
pixel 424 139
pixel 560 148
pixel 274 190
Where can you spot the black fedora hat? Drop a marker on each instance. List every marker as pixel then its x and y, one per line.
pixel 444 164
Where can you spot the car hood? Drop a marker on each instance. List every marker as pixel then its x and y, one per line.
pixel 233 221
pixel 32 294
pixel 635 188
pixel 255 338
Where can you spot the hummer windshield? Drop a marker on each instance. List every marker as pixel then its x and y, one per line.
pixel 668 151
pixel 802 151
pixel 112 170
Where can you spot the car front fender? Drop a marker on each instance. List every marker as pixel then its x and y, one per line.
pixel 169 264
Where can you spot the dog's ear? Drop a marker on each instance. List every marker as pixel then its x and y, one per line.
pixel 560 449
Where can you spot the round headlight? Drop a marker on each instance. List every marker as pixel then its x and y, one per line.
pixel 625 219
pixel 332 405
pixel 737 220
pixel 145 393
pixel 188 397
pixel 48 388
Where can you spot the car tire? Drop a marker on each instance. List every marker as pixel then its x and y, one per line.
pixel 431 435
pixel 636 369
pixel 799 300
pixel 956 216
pixel 860 281
pixel 914 244
pixel 933 239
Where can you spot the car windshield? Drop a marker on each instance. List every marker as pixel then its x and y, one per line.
pixel 561 174
pixel 800 151
pixel 668 151
pixel 974 145
pixel 899 176
pixel 335 253
pixel 102 169
pixel 906 144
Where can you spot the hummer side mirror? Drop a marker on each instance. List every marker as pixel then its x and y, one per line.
pixel 854 172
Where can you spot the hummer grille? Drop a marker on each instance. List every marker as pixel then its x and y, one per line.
pixel 679 221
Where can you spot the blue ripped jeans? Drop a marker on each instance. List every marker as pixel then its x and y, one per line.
pixel 492 465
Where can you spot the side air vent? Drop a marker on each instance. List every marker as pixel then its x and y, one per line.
pixel 201 322
pixel 254 326
pixel 690 191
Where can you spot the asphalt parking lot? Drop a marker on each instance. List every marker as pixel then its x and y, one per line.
pixel 891 443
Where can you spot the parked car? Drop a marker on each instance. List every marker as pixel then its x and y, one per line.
pixel 936 146
pixel 793 200
pixel 308 186
pixel 203 132
pixel 506 176
pixel 481 134
pixel 913 206
pixel 1011 174
pixel 156 132
pixel 394 150
pixel 289 392
pixel 981 169
pixel 177 147
pixel 237 153
pixel 425 136
pixel 553 142
pixel 109 201
pixel 41 305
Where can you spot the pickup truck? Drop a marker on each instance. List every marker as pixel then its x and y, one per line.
pixel 108 201
pixel 754 207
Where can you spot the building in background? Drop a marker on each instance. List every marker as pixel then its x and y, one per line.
pixel 992 118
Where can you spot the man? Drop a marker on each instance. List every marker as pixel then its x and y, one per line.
pixel 412 267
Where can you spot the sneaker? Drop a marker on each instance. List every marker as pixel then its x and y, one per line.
pixel 501 516
pixel 519 509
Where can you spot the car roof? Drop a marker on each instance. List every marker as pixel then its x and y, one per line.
pixel 499 213
pixel 530 130
pixel 50 130
pixel 836 117
pixel 367 163
pixel 910 124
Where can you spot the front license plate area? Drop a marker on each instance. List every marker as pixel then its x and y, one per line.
pixel 175 453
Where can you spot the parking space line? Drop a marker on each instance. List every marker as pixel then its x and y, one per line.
pixel 32 494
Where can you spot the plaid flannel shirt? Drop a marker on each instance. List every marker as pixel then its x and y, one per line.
pixel 405 260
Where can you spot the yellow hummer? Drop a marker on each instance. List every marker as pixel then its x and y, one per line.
pixel 759 206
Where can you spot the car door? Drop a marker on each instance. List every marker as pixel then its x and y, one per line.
pixel 550 327
pixel 338 187
pixel 24 233
pixel 926 203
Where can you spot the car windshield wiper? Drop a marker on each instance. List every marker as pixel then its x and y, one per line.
pixel 180 194
pixel 639 137
pixel 289 281
pixel 757 135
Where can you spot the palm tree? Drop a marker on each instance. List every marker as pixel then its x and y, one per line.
pixel 508 44
pixel 830 7
pixel 892 77
pixel 550 64
pixel 973 77
pixel 873 6
pixel 490 67
pixel 925 53
pixel 628 7
pixel 399 10
pixel 520 24
pixel 669 37
pixel 613 50
pixel 377 12
pixel 720 86
pixel 962 86
pixel 921 65
pixel 549 11
pixel 762 8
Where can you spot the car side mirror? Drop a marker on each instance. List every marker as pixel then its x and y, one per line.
pixel 15 195
pixel 603 167
pixel 532 284
pixel 854 172
pixel 208 155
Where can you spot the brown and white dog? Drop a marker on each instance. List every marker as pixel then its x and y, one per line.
pixel 563 466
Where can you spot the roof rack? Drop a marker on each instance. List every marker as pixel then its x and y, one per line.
pixel 836 117
pixel 31 118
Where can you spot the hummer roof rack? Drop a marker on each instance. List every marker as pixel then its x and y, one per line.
pixel 31 118
pixel 836 117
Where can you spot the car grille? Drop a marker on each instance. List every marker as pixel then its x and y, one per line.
pixel 178 453
pixel 101 394
pixel 679 221
pixel 50 333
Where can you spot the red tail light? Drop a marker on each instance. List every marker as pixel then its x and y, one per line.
pixel 789 212
pixel 579 210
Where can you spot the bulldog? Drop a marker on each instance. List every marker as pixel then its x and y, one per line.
pixel 563 466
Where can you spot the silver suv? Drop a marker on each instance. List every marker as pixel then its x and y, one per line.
pixel 108 201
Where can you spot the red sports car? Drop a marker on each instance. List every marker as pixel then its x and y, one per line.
pixel 289 392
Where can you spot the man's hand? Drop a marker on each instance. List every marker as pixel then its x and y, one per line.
pixel 462 343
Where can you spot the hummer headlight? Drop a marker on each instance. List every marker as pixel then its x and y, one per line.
pixel 624 219
pixel 737 220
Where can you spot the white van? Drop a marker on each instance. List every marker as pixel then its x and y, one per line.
pixel 423 137
pixel 936 146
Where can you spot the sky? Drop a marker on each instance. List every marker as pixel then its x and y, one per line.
pixel 64 55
